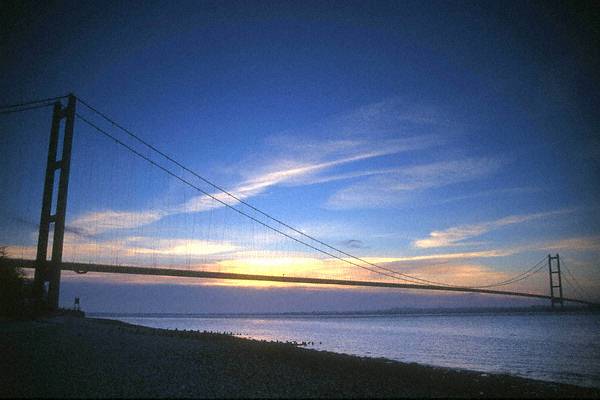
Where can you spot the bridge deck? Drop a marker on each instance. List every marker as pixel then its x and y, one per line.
pixel 121 269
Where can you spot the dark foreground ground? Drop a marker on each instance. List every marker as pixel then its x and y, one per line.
pixel 77 357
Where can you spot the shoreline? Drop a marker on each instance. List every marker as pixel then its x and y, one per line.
pixel 541 310
pixel 97 357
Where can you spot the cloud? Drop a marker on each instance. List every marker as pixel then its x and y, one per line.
pixel 354 244
pixel 305 163
pixel 456 236
pixel 441 258
pixel 461 274
pixel 134 250
pixel 488 193
pixel 585 243
pixel 390 117
pixel 176 247
pixel 393 185
pixel 296 172
pixel 96 222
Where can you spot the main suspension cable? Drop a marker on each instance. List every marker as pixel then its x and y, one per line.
pixel 576 283
pixel 21 109
pixel 517 278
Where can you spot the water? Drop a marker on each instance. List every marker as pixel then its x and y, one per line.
pixel 551 347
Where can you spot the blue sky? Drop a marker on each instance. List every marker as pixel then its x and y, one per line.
pixel 453 141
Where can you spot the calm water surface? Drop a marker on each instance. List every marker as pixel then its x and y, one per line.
pixel 559 348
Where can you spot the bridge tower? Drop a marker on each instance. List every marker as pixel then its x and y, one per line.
pixel 555 280
pixel 54 205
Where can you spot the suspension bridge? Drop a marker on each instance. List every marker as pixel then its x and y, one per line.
pixel 226 237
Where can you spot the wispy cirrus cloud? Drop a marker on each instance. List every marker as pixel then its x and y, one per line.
pixel 133 250
pixel 584 243
pixel 176 247
pixel 388 116
pixel 391 186
pixel 308 162
pixel 455 236
pixel 96 222
pixel 293 172
pixel 514 191
pixel 441 257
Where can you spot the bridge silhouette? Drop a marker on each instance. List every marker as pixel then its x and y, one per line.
pixel 334 267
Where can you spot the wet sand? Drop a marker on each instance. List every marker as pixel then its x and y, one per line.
pixel 84 357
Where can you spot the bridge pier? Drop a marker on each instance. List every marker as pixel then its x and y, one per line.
pixel 52 219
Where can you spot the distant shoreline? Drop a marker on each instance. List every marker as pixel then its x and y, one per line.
pixel 85 357
pixel 368 313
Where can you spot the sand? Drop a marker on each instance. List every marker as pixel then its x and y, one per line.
pixel 85 357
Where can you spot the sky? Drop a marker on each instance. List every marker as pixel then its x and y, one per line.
pixel 452 141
